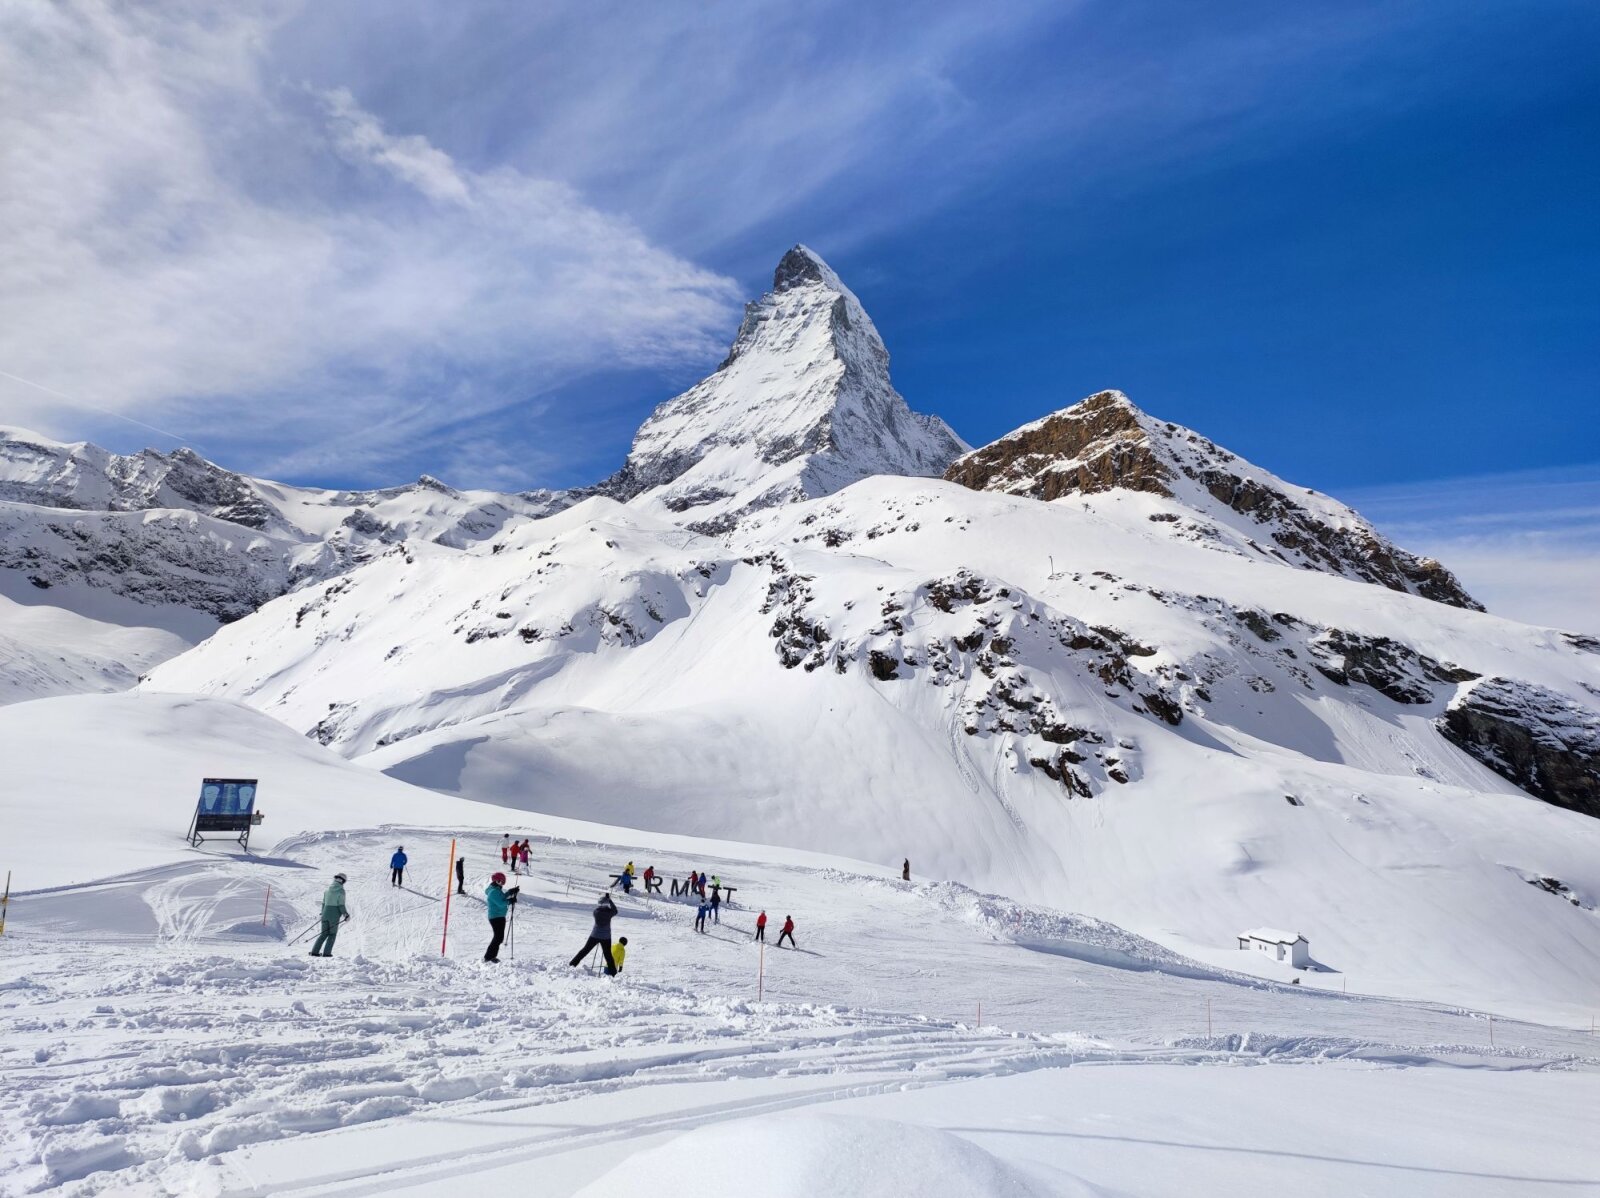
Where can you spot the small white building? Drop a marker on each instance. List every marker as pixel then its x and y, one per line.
pixel 1279 945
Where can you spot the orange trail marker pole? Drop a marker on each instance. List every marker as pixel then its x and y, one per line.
pixel 449 872
pixel 264 904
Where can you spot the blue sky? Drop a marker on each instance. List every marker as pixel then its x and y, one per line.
pixel 354 241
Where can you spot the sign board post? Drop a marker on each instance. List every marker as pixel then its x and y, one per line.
pixel 227 806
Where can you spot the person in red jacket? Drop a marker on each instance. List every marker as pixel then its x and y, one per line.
pixel 788 930
pixel 761 927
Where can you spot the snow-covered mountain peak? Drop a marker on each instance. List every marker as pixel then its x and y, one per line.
pixel 802 265
pixel 1107 444
pixel 801 407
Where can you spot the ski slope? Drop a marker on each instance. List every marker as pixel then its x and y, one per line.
pixel 227 1062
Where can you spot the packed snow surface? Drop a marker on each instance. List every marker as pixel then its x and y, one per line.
pixel 1065 1055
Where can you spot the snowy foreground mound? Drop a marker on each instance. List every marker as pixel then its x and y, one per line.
pixel 826 1154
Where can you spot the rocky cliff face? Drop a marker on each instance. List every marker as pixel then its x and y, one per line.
pixel 1105 443
pixel 1542 741
pixel 801 407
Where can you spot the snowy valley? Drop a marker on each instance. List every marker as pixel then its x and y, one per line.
pixel 1117 694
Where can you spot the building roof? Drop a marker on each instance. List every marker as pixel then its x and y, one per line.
pixel 1271 935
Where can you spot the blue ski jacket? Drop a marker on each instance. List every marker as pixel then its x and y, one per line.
pixel 398 861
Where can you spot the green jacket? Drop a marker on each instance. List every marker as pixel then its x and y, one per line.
pixel 333 902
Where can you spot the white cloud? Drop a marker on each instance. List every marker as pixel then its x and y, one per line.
pixel 197 243
pixel 1525 544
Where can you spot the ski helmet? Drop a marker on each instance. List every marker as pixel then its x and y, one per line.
pixel 338 877
pixel 498 877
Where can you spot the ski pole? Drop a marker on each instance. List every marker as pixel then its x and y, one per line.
pixel 314 925
pixel 4 903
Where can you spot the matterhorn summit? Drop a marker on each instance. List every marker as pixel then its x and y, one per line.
pixel 801 407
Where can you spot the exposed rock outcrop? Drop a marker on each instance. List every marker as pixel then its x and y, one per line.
pixel 1105 443
pixel 1544 742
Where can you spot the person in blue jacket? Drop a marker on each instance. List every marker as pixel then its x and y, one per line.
pixel 495 899
pixel 397 867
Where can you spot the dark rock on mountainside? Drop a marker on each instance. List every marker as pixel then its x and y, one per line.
pixel 1105 443
pixel 1544 742
pixel 1387 666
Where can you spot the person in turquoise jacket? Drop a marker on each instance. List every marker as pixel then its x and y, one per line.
pixel 495 899
pixel 334 913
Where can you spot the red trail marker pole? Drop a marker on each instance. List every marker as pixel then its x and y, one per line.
pixel 264 904
pixel 449 872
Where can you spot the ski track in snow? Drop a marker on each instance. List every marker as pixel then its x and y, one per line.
pixel 156 1030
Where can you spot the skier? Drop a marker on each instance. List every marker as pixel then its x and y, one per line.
pixel 505 848
pixel 525 854
pixel 905 869
pixel 652 884
pixel 397 867
pixel 619 950
pixel 461 875
pixel 700 915
pixel 716 905
pixel 334 913
pixel 788 930
pixel 761 927
pixel 600 934
pixel 494 898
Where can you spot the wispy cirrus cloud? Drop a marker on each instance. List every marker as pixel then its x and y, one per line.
pixel 196 242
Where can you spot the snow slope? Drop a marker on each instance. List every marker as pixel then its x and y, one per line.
pixel 1184 741
pixel 98 785
pixel 78 640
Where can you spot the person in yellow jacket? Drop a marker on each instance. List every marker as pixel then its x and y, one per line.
pixel 619 950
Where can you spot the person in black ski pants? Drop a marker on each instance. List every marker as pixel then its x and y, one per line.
pixel 461 875
pixel 787 933
pixel 600 934
pixel 397 867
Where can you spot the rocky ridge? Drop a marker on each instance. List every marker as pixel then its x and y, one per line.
pixel 1105 443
